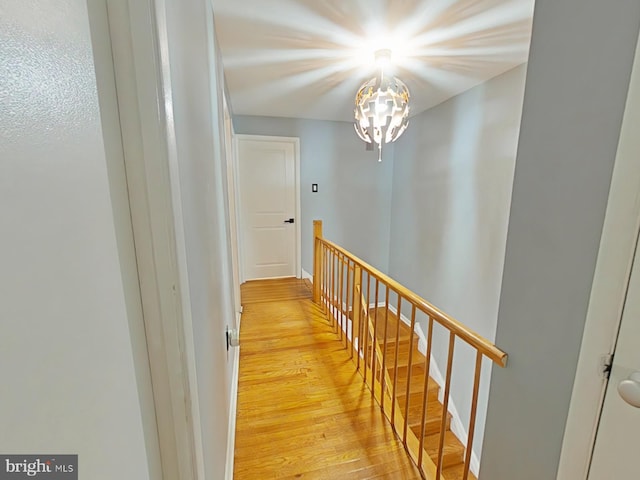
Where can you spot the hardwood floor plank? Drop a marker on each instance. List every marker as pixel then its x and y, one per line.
pixel 303 412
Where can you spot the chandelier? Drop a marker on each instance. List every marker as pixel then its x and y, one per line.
pixel 382 107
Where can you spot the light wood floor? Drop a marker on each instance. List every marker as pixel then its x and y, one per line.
pixel 303 412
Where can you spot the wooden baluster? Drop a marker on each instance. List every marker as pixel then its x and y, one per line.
pixel 409 368
pixel 331 289
pixel 395 362
pixel 339 271
pixel 334 293
pixel 347 303
pixel 365 320
pixel 327 256
pixel 425 391
pixel 375 338
pixel 356 310
pixel 317 260
pixel 361 326
pixel 354 336
pixel 341 321
pixel 363 329
pixel 472 418
pixel 327 276
pixel 445 405
pixel 336 308
pixel 383 368
pixel 328 286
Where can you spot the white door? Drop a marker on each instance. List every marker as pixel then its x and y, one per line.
pixel 268 206
pixel 617 446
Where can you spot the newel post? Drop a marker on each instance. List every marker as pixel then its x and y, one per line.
pixel 317 260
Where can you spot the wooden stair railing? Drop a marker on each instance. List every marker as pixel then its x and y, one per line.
pixel 384 347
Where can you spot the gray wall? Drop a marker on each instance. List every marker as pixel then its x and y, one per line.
pixel 452 177
pixel 354 190
pixel 577 79
pixel 196 87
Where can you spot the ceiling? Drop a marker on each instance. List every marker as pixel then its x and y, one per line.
pixel 307 58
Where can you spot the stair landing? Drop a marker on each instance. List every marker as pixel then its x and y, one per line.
pixel 303 412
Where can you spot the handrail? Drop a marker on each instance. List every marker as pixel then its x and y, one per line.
pixel 447 321
pixel 338 287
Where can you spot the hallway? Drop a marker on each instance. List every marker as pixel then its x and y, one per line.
pixel 303 411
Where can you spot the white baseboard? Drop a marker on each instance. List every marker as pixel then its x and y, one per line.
pixel 233 408
pixel 307 275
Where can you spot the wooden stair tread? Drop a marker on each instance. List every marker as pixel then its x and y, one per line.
pixel 416 384
pixel 452 450
pixel 404 345
pixel 392 322
pixel 417 366
pixel 416 397
pixel 456 472
pixel 433 419
pixel 417 361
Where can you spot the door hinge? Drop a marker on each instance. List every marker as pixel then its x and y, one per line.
pixel 606 363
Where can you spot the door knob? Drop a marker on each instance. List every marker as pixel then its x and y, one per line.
pixel 629 389
pixel 289 221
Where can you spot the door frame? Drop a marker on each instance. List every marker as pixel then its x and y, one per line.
pixel 103 20
pixel 232 202
pixel 295 141
pixel 136 72
pixel 610 283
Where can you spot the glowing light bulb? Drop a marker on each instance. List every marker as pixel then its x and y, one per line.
pixel 381 107
pixel 383 58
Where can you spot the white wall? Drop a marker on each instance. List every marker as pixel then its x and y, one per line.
pixel 452 177
pixel 354 189
pixel 196 126
pixel 68 378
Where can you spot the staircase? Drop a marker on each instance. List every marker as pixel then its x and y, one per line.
pixel 411 407
pixel 385 352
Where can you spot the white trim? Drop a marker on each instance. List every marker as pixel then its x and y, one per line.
pixel 233 408
pixel 139 41
pixel 232 202
pixel 239 244
pixel 298 223
pixel 613 267
pixel 306 275
pixel 122 212
pixel 268 278
pixel 181 277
